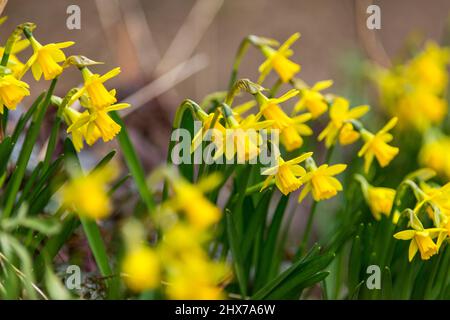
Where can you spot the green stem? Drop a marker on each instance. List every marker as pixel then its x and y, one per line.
pixel 308 228
pixel 26 151
pixel 273 91
pixel 134 164
pixel 243 47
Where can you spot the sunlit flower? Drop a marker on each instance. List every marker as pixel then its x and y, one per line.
pixel 421 240
pixel 88 194
pixel 278 60
pixel 99 96
pixel 97 124
pixel 12 91
pixel 287 174
pixel 141 268
pixel 340 114
pixel 320 181
pixel 376 145
pixel 45 59
pixel 291 129
pixel 313 100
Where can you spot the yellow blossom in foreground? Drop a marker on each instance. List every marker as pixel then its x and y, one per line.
pixel 88 194
pixel 421 240
pixel 320 181
pixel 340 113
pixel 436 155
pixel 189 198
pixel 291 129
pixel 278 60
pixel 45 59
pixel 141 268
pixel 99 96
pixel 12 91
pixel 286 174
pixel 313 100
pixel 376 146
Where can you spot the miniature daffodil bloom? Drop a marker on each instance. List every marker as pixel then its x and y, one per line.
pixel 45 59
pixel 313 100
pixel 189 199
pixel 436 155
pixel 379 199
pixel 340 114
pixel 278 60
pixel 291 129
pixel 99 96
pixel 286 174
pixel 348 134
pixel 141 269
pixel 98 124
pixel 421 240
pixel 88 194
pixel 12 91
pixel 321 181
pixel 217 137
pixel 72 116
pixel 376 145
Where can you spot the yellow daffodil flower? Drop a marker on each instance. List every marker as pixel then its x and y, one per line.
pixel 45 59
pixel 189 199
pixel 291 129
pixel 12 91
pixel 88 194
pixel 340 114
pixel 320 181
pixel 97 124
pixel 313 100
pixel 379 199
pixel 278 60
pixel 141 269
pixel 436 155
pixel 99 97
pixel 376 146
pixel 287 174
pixel 421 240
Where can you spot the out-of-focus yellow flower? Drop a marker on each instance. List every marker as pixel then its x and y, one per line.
pixel 421 240
pixel 12 91
pixel 313 100
pixel 88 194
pixel 436 155
pixel 287 174
pixel 291 129
pixel 414 91
pixel 141 268
pixel 340 113
pixel 278 60
pixel 97 123
pixel 376 146
pixel 99 97
pixel 320 181
pixel 45 59
pixel 429 68
pixel 190 199
pixel 379 199
pixel 191 274
pixel 14 63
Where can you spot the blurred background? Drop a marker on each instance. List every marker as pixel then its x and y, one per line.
pixel 175 49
